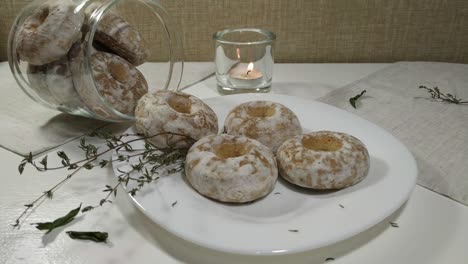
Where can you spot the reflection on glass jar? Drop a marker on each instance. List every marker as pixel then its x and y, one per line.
pixel 244 60
pixel 94 58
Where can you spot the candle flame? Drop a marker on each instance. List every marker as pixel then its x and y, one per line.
pixel 238 53
pixel 250 67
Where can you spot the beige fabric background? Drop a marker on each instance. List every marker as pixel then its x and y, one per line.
pixel 315 30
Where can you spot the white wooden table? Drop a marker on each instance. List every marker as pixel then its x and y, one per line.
pixel 432 228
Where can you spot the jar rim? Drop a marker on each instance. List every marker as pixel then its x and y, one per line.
pixel 269 36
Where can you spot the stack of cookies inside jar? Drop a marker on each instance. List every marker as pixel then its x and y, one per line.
pixel 83 56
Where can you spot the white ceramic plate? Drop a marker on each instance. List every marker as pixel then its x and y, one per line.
pixel 289 219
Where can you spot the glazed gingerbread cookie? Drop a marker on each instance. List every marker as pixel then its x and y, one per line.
pixel 174 112
pixel 230 168
pixel 55 80
pixel 270 123
pixel 323 160
pixel 116 35
pixel 112 78
pixel 49 32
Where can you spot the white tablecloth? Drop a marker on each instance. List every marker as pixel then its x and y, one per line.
pixel 432 228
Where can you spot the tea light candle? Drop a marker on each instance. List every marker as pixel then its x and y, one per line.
pixel 245 77
pixel 244 60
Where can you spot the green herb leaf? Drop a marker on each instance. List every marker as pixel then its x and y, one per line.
pixel 49 194
pixel 354 99
pixel 45 226
pixel 127 147
pixel 103 201
pixel 64 157
pixel 133 192
pixel 16 224
pixel 110 145
pixel 87 208
pixel 83 142
pixel 103 163
pixel 148 145
pixel 93 236
pixel 44 162
pixel 108 188
pixel 21 167
pixel 49 226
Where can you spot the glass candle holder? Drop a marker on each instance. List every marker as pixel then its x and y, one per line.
pixel 244 60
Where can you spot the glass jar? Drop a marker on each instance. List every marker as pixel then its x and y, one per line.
pixel 94 58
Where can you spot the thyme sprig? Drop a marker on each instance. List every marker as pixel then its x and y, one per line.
pixel 171 159
pixel 441 97
pixel 151 160
pixel 354 99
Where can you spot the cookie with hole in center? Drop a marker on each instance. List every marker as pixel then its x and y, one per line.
pixel 230 168
pixel 323 160
pixel 174 119
pixel 269 122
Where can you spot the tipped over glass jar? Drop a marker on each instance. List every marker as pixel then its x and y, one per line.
pixel 94 58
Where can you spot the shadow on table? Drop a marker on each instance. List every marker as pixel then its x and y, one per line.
pixel 64 128
pixel 48 238
pixel 70 125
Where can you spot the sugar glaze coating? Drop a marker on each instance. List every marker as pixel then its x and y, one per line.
pixel 323 160
pixel 175 112
pixel 268 122
pixel 49 32
pixel 231 168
